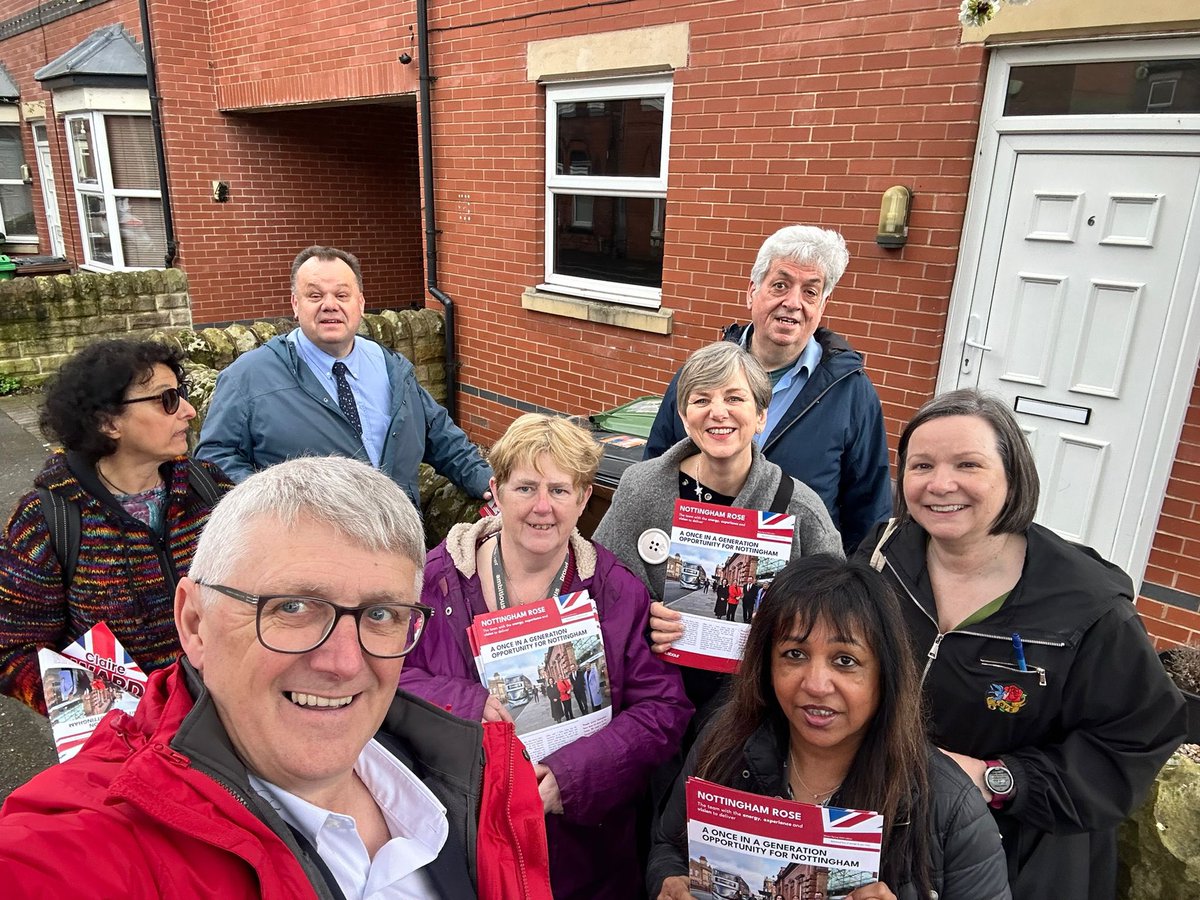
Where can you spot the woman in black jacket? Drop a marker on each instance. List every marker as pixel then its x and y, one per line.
pixel 826 710
pixel 1039 677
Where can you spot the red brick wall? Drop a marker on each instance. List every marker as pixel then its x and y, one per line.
pixel 1175 557
pixel 345 175
pixel 279 51
pixel 803 114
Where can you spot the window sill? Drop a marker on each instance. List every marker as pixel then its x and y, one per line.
pixel 654 321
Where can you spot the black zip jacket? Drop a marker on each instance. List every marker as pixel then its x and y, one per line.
pixel 1084 730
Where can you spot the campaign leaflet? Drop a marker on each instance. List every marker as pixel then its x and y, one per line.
pixel 545 662
pixel 721 558
pixel 747 845
pixel 90 677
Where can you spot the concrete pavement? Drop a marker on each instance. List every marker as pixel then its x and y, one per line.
pixel 25 744
pixel 22 449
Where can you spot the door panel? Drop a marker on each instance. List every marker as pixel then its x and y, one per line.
pixel 1090 244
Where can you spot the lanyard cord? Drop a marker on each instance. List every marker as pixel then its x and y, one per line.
pixel 500 578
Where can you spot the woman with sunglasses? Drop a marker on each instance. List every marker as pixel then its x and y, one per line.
pixel 119 409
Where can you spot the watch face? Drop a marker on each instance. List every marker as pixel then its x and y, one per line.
pixel 998 780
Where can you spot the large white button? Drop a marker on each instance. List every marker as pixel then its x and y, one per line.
pixel 653 546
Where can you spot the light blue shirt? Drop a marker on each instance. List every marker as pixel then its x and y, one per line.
pixel 368 382
pixel 788 388
pixel 416 820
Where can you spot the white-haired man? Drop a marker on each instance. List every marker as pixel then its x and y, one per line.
pixel 276 757
pixel 825 423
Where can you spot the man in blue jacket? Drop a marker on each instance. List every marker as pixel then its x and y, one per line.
pixel 322 391
pixel 825 424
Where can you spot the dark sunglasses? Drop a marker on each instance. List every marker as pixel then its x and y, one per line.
pixel 169 399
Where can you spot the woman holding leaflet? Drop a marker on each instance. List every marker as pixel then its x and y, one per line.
pixel 826 710
pixel 724 394
pixel 543 469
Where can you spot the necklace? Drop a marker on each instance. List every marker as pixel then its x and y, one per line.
pixel 821 798
pixel 119 490
pixel 699 486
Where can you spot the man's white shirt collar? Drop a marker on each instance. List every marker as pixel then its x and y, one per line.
pixel 416 820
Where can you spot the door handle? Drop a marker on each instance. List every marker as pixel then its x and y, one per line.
pixel 971 342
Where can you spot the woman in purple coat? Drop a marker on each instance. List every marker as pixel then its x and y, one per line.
pixel 543 473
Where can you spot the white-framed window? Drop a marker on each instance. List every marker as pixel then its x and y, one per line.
pixel 117 190
pixel 607 148
pixel 16 194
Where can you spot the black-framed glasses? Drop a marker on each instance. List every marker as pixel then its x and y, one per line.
pixel 288 623
pixel 169 399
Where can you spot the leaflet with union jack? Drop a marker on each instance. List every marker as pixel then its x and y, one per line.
pixel 545 663
pixel 765 846
pixel 82 684
pixel 720 560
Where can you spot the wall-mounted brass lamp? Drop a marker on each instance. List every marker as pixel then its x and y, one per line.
pixel 893 217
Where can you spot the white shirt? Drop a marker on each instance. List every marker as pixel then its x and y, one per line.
pixel 415 818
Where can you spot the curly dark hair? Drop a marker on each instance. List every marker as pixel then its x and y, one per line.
pixel 89 388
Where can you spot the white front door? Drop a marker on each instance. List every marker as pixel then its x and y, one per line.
pixel 49 194
pixel 1086 271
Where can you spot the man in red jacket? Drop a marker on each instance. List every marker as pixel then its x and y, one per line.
pixel 276 758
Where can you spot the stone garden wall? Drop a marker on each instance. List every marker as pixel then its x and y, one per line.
pixel 44 320
pixel 1160 842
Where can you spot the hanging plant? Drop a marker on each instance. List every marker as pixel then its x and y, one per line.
pixel 974 13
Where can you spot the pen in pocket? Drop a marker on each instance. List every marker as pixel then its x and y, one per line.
pixel 1019 652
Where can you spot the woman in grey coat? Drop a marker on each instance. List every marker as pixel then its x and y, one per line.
pixel 724 393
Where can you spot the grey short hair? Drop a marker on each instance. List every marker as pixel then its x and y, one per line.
pixel 358 502
pixel 1020 503
pixel 715 365
pixel 804 245
pixel 327 254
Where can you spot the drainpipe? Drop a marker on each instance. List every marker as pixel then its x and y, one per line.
pixel 426 82
pixel 160 156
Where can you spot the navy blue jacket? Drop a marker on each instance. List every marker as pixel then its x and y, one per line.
pixel 832 438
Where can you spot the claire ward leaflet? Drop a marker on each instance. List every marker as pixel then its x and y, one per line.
pixel 82 683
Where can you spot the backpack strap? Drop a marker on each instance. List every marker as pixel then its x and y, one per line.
pixel 783 494
pixel 63 521
pixel 877 557
pixel 202 483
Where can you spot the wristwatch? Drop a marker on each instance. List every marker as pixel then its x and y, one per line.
pixel 999 780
